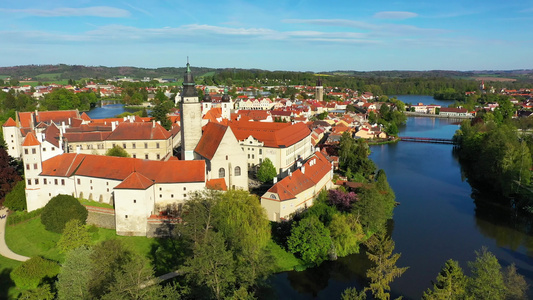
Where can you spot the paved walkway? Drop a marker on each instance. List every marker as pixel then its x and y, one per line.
pixel 4 250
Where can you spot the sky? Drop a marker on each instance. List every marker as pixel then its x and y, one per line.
pixel 303 35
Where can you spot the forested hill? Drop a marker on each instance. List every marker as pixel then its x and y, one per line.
pixel 77 72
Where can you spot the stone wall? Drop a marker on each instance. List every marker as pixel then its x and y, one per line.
pixel 101 217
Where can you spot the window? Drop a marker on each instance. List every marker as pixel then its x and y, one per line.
pixel 114 145
pixel 248 156
pixel 29 181
pixel 134 155
pixel 134 201
pixel 158 156
pixel 157 145
pixel 145 145
pixel 133 145
pixel 221 173
pixel 27 166
pixel 55 181
pixel 33 151
pixel 124 145
pixel 79 181
pixel 184 188
pixel 171 195
pixel 260 151
pixel 237 171
pixel 126 216
pixel 36 181
pixel 184 195
pixel 25 151
pixel 53 148
pixel 44 181
pixel 44 149
pixel 35 166
pixel 253 156
pixel 62 181
pixel 146 156
pixel 160 196
pixel 226 157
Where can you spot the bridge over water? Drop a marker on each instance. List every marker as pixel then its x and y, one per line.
pixel 426 140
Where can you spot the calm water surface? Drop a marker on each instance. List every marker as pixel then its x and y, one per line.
pixel 436 220
pixel 108 111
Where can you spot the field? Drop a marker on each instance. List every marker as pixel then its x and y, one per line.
pixel 491 78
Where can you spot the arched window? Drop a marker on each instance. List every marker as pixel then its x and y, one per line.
pixel 221 173
pixel 237 171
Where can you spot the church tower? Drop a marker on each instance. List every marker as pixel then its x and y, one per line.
pixel 191 116
pixel 319 90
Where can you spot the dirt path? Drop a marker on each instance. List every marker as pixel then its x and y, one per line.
pixel 4 250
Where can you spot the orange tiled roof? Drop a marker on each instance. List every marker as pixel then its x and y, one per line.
pixel 86 136
pixel 25 119
pixel 30 140
pixel 56 116
pixel 135 181
pixel 119 168
pixel 211 138
pixel 217 184
pixel 10 123
pixel 272 134
pixel 290 186
pixel 51 134
pixel 213 114
pixel 85 117
pixel 139 131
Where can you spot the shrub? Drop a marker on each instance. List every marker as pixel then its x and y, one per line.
pixel 18 217
pixel 61 209
pixel 31 273
pixel 266 171
pixel 16 199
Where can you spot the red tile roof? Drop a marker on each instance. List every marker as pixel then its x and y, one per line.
pixel 217 184
pixel 139 131
pixel 51 134
pixel 56 116
pixel 289 187
pixel 272 134
pixel 86 136
pixel 85 117
pixel 30 140
pixel 119 168
pixel 25 119
pixel 211 138
pixel 10 123
pixel 135 181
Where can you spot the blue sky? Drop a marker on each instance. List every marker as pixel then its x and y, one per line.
pixel 271 35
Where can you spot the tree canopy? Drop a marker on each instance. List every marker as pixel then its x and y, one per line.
pixel 61 209
pixel 266 171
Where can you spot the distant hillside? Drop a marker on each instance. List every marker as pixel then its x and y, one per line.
pixel 76 72
pixel 49 73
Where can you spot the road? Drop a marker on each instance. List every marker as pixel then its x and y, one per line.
pixel 4 250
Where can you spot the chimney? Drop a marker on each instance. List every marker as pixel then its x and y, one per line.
pixel 63 127
pixel 153 123
pixel 69 122
pixel 303 169
pixel 275 180
pixel 113 126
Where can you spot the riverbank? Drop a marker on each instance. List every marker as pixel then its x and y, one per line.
pixel 415 114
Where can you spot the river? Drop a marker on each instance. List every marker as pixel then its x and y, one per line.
pixel 436 220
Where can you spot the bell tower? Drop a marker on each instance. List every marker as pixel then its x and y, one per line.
pixel 191 116
pixel 319 90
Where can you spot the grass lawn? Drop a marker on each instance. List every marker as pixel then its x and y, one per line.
pixel 29 238
pixel 7 287
pixel 95 203
pixel 283 260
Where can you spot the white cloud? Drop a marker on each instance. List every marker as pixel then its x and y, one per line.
pixel 94 11
pixel 334 22
pixel 396 15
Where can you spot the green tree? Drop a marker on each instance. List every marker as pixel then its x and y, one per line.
pixel 135 280
pixel 73 280
pixel 353 294
pixel 61 99
pixel 212 265
pixel 61 209
pixel 450 284
pixel 486 281
pixel 310 239
pixel 159 113
pixel 42 292
pixel 266 171
pixel 117 151
pixel 32 272
pixel 74 235
pixel 515 285
pixel 16 199
pixel 346 233
pixel 384 271
pixel 373 209
pixel 106 258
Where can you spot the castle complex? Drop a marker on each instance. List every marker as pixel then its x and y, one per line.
pixel 63 152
